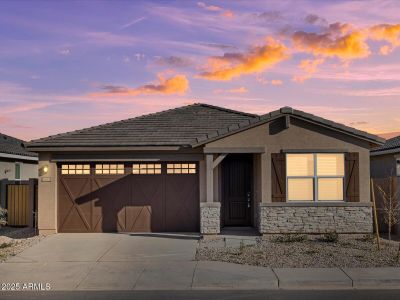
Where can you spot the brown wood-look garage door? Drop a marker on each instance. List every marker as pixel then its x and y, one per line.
pixel 166 202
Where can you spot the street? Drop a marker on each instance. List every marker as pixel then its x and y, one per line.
pixel 220 295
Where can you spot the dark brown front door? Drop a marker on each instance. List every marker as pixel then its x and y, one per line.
pixel 236 190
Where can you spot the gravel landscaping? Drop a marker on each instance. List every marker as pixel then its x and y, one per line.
pixel 14 240
pixel 296 251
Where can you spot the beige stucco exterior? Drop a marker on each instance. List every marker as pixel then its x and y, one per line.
pixel 300 135
pixel 47 195
pixel 28 170
pixel 273 137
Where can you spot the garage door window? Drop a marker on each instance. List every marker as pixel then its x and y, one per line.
pixel 181 168
pixel 146 169
pixel 110 169
pixel 75 169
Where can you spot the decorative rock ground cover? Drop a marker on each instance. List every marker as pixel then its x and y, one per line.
pixel 296 251
pixel 14 240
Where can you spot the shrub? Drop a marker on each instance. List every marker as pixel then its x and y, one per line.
pixel 290 238
pixel 3 217
pixel 5 245
pixel 330 237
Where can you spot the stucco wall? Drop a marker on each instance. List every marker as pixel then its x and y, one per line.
pixel 28 170
pixel 300 135
pixel 47 195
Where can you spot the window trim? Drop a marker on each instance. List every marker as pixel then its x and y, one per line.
pixel 154 169
pixel 102 169
pixel 171 170
pixel 76 164
pixel 314 178
pixel 19 164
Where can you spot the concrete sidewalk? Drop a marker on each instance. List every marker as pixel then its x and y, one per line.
pixel 192 275
pixel 165 262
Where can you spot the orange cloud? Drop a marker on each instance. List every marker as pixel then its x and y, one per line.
pixel 276 82
pixel 257 60
pixel 310 67
pixel 177 84
pixel 228 14
pixel 239 90
pixel 225 13
pixel 386 32
pixel 339 40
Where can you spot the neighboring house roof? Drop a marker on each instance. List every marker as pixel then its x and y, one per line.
pixel 187 126
pixel 391 146
pixel 13 146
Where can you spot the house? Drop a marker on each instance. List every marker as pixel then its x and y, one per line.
pixel 16 162
pixel 17 166
pixel 385 163
pixel 202 168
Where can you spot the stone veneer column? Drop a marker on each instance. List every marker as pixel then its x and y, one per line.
pixel 210 217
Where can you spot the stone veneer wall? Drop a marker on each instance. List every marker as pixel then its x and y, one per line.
pixel 210 217
pixel 315 218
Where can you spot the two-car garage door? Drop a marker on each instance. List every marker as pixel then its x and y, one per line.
pixel 135 197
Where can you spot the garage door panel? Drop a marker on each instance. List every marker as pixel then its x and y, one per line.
pixel 74 215
pixel 111 196
pixel 145 210
pixel 73 222
pixel 138 218
pixel 182 203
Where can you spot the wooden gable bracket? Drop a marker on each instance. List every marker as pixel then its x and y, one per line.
pixel 218 160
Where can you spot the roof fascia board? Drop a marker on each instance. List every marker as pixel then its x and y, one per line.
pixel 20 157
pixel 127 158
pixel 264 121
pixel 383 152
pixel 315 150
pixel 215 150
pixel 97 148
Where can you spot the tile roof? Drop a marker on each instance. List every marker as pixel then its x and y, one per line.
pixel 186 126
pixel 392 144
pixel 175 127
pixel 11 145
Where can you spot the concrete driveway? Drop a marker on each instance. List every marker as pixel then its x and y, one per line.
pixel 101 261
pixel 126 262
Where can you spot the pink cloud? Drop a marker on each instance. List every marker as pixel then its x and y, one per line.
pixel 178 84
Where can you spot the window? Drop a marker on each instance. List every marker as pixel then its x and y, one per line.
pixel 181 168
pixel 75 169
pixel 315 177
pixel 17 171
pixel 398 167
pixel 110 169
pixel 146 169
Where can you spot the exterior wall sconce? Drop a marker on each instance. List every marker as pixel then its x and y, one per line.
pixel 45 169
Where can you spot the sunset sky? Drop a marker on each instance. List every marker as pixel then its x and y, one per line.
pixel 66 65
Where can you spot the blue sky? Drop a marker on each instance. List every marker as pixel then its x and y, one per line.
pixel 66 65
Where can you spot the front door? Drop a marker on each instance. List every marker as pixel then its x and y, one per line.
pixel 237 190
